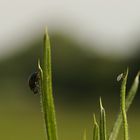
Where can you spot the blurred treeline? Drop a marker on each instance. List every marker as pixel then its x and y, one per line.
pixel 78 75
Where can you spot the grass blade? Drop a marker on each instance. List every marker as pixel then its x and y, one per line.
pixel 96 135
pixel 123 111
pixel 102 122
pixel 46 91
pixel 132 92
pixel 130 97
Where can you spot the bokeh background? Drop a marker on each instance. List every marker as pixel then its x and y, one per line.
pixel 92 42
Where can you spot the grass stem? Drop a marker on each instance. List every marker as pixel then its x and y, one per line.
pixel 46 91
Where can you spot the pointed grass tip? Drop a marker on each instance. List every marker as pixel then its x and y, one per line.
pixel 94 119
pixel 101 105
pixel 38 64
pixel 46 36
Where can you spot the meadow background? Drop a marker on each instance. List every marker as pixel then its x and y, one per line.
pixel 85 63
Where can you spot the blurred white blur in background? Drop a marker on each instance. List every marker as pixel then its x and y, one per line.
pixel 113 25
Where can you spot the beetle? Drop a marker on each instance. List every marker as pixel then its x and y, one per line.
pixel 33 82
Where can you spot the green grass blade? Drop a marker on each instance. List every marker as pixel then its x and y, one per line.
pixel 102 122
pixel 131 94
pixel 42 100
pixel 96 135
pixel 123 111
pixel 46 91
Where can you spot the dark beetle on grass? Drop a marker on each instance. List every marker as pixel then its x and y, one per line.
pixel 33 82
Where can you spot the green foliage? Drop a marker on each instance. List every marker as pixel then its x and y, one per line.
pixel 99 131
pixel 129 99
pixel 124 106
pixel 123 111
pixel 96 135
pixel 46 91
pixel 102 122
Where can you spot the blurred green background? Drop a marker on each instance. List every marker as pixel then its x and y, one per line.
pixel 80 77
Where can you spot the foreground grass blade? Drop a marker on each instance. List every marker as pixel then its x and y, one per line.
pixel 46 91
pixel 102 122
pixel 131 94
pixel 96 135
pixel 123 111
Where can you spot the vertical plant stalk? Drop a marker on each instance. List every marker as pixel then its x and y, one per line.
pixel 124 115
pixel 102 122
pixel 46 91
pixel 131 94
pixel 96 134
